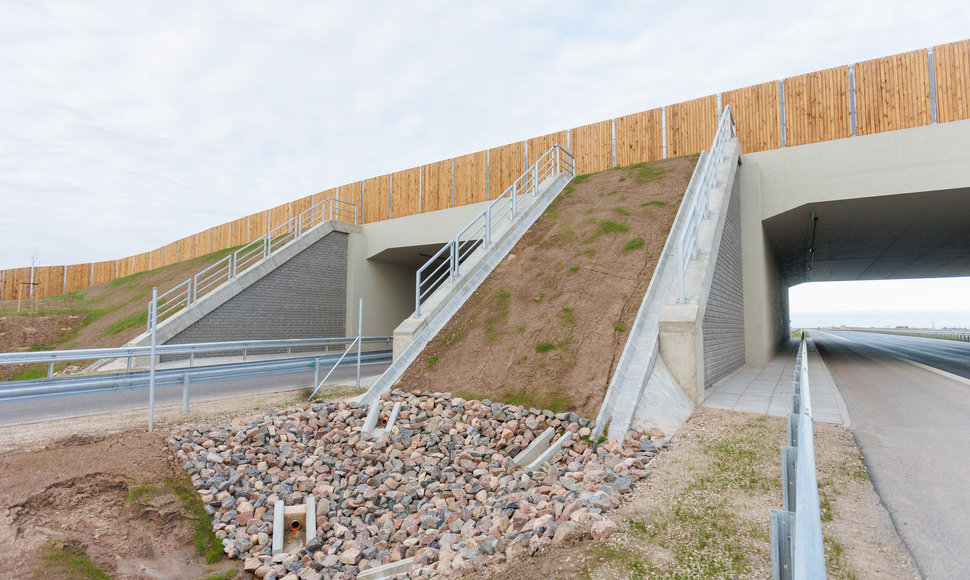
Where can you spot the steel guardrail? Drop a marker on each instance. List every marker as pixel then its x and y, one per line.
pixel 91 384
pixel 446 263
pixel 171 349
pixel 797 549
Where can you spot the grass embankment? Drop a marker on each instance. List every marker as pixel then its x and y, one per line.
pixel 106 315
pixel 548 324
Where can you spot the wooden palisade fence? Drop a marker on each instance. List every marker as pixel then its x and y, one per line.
pixel 885 94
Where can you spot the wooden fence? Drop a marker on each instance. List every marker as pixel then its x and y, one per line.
pixel 906 90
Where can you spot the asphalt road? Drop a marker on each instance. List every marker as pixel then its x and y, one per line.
pixel 63 407
pixel 913 426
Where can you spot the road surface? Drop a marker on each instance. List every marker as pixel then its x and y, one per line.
pixel 49 409
pixel 913 426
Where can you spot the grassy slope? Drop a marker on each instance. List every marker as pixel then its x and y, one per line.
pixel 546 327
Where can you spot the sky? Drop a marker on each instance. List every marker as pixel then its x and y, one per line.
pixel 128 125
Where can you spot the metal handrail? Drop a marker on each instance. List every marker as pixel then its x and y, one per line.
pixel 9 358
pixel 250 254
pixel 699 208
pixel 446 263
pixel 797 548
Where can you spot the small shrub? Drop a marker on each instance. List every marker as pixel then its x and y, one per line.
pixel 432 360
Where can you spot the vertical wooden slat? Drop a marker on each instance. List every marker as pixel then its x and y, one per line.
pixel 892 93
pixel 49 279
pixel 817 106
pixel 539 145
pixel 221 237
pixel 436 186
pixel 12 279
pixel 104 272
pixel 506 164
pixel 204 245
pixel 757 112
pixel 691 126
pixel 301 205
pixel 79 275
pixel 155 258
pixel 171 254
pixel 186 248
pixel 141 263
pixel 239 233
pixel 639 137
pixel 405 185
pixel 592 145
pixel 350 193
pixel 277 216
pixel 376 198
pixel 471 173
pixel 126 267
pixel 952 71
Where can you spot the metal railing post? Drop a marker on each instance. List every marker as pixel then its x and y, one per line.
pixel 488 226
pixel 514 196
pixel 151 366
pixel 535 179
pixel 454 261
pixel 185 393
pixel 316 371
pixel 417 294
pixel 360 336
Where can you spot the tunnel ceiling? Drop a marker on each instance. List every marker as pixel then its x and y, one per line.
pixel 916 235
pixel 414 256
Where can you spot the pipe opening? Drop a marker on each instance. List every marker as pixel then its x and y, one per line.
pixel 295 525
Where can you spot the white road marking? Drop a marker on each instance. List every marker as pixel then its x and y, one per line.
pixel 940 372
pixel 834 336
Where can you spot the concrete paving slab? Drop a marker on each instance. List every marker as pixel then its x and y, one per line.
pixel 767 389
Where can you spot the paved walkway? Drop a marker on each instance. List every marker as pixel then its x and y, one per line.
pixel 767 389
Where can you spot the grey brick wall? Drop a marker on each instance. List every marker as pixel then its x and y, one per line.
pixel 304 298
pixel 724 316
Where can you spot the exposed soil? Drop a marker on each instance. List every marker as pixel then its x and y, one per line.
pixel 703 511
pixel 78 492
pixel 106 315
pixel 548 325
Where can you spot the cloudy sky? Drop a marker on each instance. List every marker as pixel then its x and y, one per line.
pixel 127 125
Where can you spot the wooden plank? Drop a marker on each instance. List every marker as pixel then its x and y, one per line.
pixel 155 259
pixel 539 145
pixel 436 186
pixel 639 137
pixel 126 267
pixel 377 199
pixel 324 195
pixel 103 272
pixel 204 245
pixel 506 164
pixel 757 116
pixel 951 67
pixel 892 93
pixel 187 248
pixel 278 216
pixel 12 279
pixel 221 237
pixel 301 205
pixel 141 263
pixel 50 280
pixel 79 275
pixel 405 189
pixel 817 106
pixel 239 234
pixel 471 178
pixel 592 146
pixel 351 193
pixel 691 126
pixel 171 254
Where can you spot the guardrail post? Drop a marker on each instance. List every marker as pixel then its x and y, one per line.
pixel 782 525
pixel 185 392
pixel 244 355
pixel 50 369
pixel 151 365
pixel 316 371
pixel 191 359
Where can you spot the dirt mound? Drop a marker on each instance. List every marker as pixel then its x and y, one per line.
pixel 548 325
pixel 108 503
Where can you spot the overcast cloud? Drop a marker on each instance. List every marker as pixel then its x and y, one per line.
pixel 127 125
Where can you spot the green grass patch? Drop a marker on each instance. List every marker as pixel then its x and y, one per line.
pixel 645 172
pixel 538 299
pixel 655 202
pixel 612 193
pixel 498 308
pixel 634 244
pixel 619 327
pixel 624 558
pixel 623 179
pixel 607 227
pixel 520 329
pixel 620 211
pixel 432 360
pixel 33 371
pixel 566 315
pixel 543 398
pixel 574 269
pixel 138 318
pixel 580 178
pixel 66 560
pixel 227 575
pixel 545 347
pixel 207 544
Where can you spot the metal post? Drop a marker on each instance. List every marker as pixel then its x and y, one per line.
pixel 128 370
pixel 932 66
pixel 191 359
pixel 185 393
pixel 535 179
pixel 514 196
pixel 360 334
pixel 50 369
pixel 151 364
pixel 852 106
pixel 316 371
pixel 781 112
pixel 244 355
